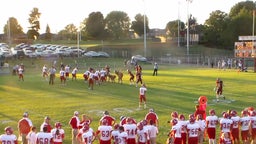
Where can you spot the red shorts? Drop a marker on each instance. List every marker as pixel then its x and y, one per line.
pixel 90 81
pixel 193 140
pixel 105 142
pixel 211 133
pixel 67 74
pixel 177 141
pixel 142 98
pixel 245 135
pixel 131 141
pixel 62 78
pixel 85 77
pixel 253 133
pixel 235 134
pixel 73 75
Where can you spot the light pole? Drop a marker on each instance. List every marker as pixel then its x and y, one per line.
pixel 179 24
pixel 145 32
pixel 188 1
pixel 9 31
pixel 78 42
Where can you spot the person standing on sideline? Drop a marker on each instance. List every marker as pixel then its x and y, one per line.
pixel 44 72
pixel 74 123
pixel 142 94
pixel 151 115
pixel 20 72
pixel 24 126
pixel 155 69
pixel 47 124
pixel 31 137
pixel 52 72
pixel 44 137
pixel 58 133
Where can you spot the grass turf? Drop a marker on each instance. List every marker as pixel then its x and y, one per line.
pixel 176 88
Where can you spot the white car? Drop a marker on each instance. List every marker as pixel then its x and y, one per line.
pixel 139 58
pixel 91 54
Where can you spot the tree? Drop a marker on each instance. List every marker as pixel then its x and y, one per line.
pixel 13 27
pixel 48 34
pixel 95 25
pixel 172 28
pixel 34 28
pixel 138 24
pixel 118 24
pixel 69 32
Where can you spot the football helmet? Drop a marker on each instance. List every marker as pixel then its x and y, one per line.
pixel 174 114
pixel 181 117
pixel 86 128
pixel 140 125
pixel 8 130
pixel 58 125
pixel 104 122
pixel 174 121
pixel 212 112
pixel 233 113
pixel 225 115
pixel 253 113
pixel 191 118
pixel 116 126
pixel 244 112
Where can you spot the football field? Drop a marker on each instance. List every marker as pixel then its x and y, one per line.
pixel 176 88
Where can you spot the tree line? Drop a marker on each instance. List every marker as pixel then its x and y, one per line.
pixel 219 30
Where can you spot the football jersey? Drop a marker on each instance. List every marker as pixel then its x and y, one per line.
pixel 44 138
pixel 193 129
pixel 58 137
pixel 235 120
pixel 142 135
pixel 87 137
pixel 131 130
pixel 8 139
pixel 245 123
pixel 226 124
pixel 212 121
pixel 105 132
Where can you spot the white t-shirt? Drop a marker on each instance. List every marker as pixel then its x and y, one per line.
pixel 143 90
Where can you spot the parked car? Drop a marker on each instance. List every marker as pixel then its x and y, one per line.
pixel 91 54
pixel 138 58
pixel 103 54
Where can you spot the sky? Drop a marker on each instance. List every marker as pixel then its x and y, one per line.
pixel 59 13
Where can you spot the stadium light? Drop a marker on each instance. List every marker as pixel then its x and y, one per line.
pixel 145 31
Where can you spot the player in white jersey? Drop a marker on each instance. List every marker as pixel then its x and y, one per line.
pixel 31 137
pixel 193 128
pixel 62 77
pixel 123 136
pixel 44 137
pixel 74 72
pixel 175 133
pixel 20 73
pixel 211 124
pixel 86 75
pixel 244 125
pixel 226 124
pixel 235 128
pixel 141 134
pixel 104 132
pixel 87 136
pixel 45 72
pixel 115 133
pixel 67 70
pixel 202 125
pixel 152 131
pixel 103 74
pixel 142 95
pixel 58 133
pixel 8 137
pixel 253 125
pixel 131 130
pixel 183 123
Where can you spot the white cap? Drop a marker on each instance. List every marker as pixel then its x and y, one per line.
pixel 76 113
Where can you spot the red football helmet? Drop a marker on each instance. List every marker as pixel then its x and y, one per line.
pixel 116 126
pixel 129 120
pixel 174 121
pixel 233 113
pixel 191 118
pixel 174 114
pixel 144 122
pixel 253 113
pixel 140 125
pixel 8 130
pixel 212 112
pixel 86 128
pixel 225 115
pixel 181 117
pixel 58 125
pixel 244 112
pixel 104 122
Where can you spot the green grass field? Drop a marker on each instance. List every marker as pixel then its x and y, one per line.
pixel 176 88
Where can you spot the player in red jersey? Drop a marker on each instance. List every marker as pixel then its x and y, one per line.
pixel 74 123
pixel 47 124
pixel 109 119
pixel 131 79
pixel 151 115
pixel 24 126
